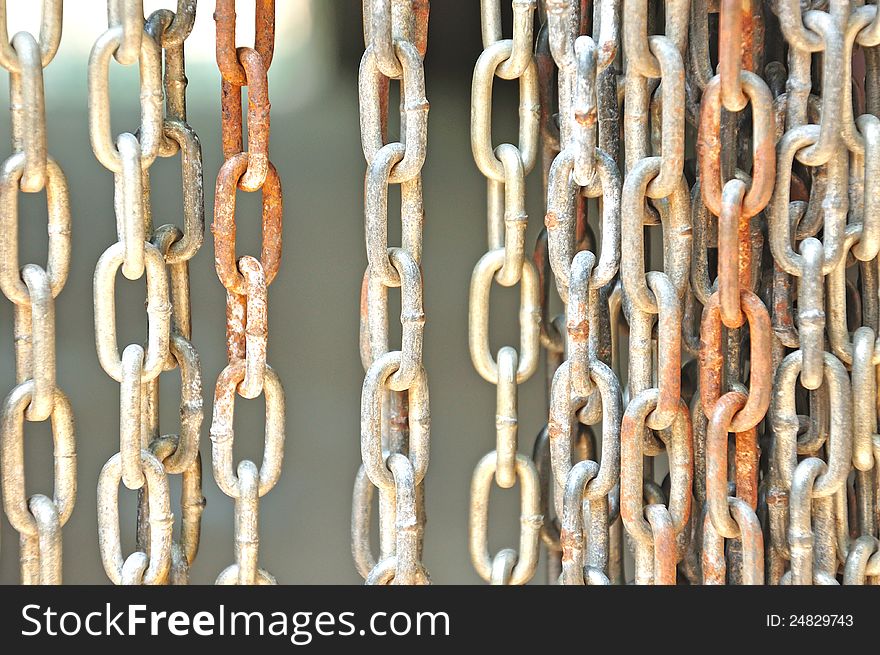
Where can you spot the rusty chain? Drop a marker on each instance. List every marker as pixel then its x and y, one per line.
pixel 583 168
pixel 713 340
pixel 703 297
pixel 395 411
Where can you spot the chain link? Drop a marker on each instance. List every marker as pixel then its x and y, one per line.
pixel 505 168
pixel 584 390
pixel 713 218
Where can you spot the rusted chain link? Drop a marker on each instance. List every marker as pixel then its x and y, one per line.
pixel 711 240
pixel 773 161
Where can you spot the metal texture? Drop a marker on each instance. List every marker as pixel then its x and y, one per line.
pixel 668 287
pixel 32 290
pixel 505 168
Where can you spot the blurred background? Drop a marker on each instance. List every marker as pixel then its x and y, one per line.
pixel 313 310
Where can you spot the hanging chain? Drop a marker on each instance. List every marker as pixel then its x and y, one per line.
pixel 395 414
pixel 813 500
pixel 146 457
pixel 32 289
pixel 711 177
pixel 246 280
pixel 787 477
pixel 584 388
pixel 733 304
pixel 505 168
pixel 655 193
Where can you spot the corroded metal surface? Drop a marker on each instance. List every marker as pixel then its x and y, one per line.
pixel 246 280
pixel 679 280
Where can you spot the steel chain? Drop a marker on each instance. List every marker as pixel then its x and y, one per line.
pixel 161 254
pixel 395 410
pixel 246 280
pixel 505 168
pixel 711 239
pixel 790 475
pixel 32 289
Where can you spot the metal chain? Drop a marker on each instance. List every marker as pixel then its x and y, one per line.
pixel 789 476
pixel 246 280
pixel 813 499
pixel 505 168
pixel 395 414
pixel 584 389
pixel 712 236
pixel 32 289
pixel 146 457
pixel 732 305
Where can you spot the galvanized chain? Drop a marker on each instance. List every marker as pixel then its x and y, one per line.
pixel 246 280
pixel 505 168
pixel 395 411
pixel 146 457
pixel 32 289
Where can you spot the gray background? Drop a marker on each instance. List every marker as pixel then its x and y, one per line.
pixel 313 310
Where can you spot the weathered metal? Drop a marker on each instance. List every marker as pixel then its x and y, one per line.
pixel 725 288
pixel 246 280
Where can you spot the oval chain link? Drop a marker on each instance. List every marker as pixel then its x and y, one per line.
pixel 706 311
